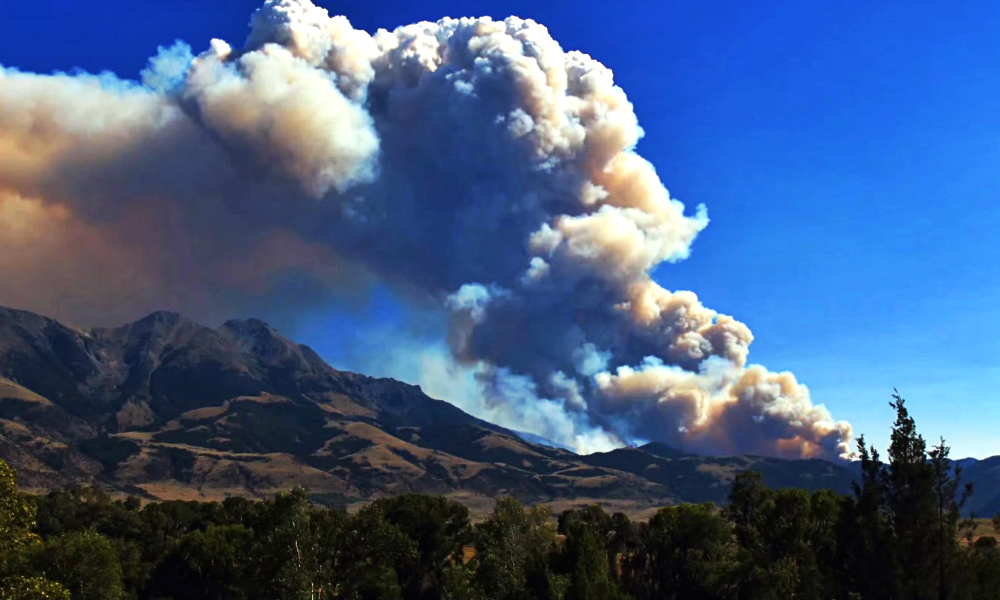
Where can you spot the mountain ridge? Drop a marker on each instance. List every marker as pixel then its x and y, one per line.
pixel 165 407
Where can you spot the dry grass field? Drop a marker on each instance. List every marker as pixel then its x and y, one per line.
pixel 983 528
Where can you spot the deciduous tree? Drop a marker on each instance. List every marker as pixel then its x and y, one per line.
pixel 440 529
pixel 17 544
pixel 85 562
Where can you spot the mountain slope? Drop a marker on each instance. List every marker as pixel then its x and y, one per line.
pixel 985 477
pixel 169 408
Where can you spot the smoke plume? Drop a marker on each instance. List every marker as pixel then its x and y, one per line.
pixel 471 163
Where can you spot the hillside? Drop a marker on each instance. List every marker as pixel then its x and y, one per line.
pixel 167 408
pixel 985 477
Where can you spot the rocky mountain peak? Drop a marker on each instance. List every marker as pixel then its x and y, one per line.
pixel 249 327
pixel 160 318
pixel 257 338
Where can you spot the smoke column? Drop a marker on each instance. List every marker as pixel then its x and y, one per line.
pixel 470 163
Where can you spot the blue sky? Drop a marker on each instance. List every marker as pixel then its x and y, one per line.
pixel 847 153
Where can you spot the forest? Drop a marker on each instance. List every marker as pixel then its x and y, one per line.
pixel 899 535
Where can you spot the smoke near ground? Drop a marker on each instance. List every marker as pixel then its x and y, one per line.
pixel 469 163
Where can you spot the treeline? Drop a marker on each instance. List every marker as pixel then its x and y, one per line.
pixel 898 536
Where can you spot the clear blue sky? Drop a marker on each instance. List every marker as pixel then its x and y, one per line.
pixel 848 153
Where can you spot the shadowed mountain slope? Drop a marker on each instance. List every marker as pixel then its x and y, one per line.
pixel 168 408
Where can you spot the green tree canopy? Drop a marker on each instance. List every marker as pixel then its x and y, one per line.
pixel 18 542
pixel 584 560
pixel 85 562
pixel 214 564
pixel 513 549
pixel 440 529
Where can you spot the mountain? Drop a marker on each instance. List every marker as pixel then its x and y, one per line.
pixel 538 440
pixel 167 408
pixel 985 477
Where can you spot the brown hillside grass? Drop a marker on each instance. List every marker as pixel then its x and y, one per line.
pixel 983 528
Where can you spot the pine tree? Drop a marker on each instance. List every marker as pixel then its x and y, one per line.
pixel 866 545
pixel 913 505
pixel 950 501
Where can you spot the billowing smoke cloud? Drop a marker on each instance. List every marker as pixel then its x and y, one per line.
pixel 469 163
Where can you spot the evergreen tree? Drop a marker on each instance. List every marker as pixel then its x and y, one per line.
pixel 951 498
pixel 913 505
pixel 866 546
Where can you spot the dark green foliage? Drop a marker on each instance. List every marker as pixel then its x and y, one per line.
pixel 599 521
pixel 440 529
pixel 899 535
pixel 376 558
pixel 86 563
pixel 584 556
pixel 786 540
pixel 688 553
pixel 80 509
pixel 771 529
pixel 950 497
pixel 514 549
pixel 456 582
pixel 865 534
pixel 285 551
pixel 912 505
pixel 613 537
pixel 214 564
pixel 978 575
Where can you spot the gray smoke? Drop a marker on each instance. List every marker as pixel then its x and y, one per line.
pixel 470 163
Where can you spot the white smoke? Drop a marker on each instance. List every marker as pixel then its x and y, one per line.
pixel 471 162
